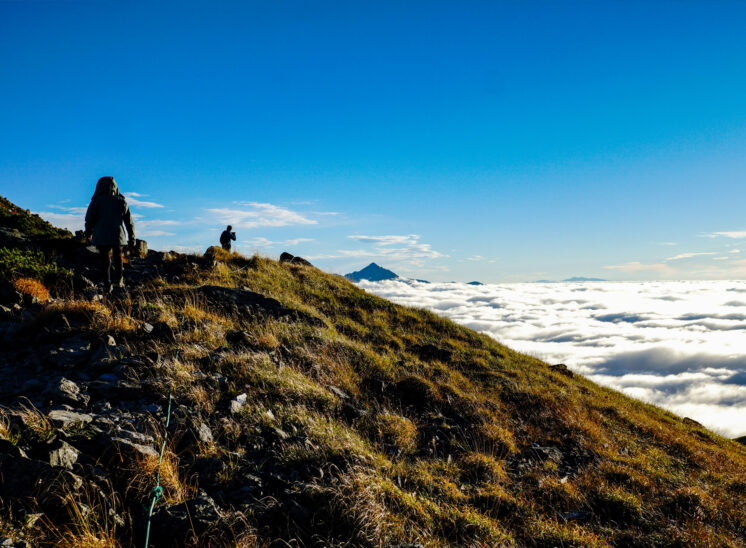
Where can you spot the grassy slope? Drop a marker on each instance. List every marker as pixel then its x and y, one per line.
pixel 445 451
pixel 12 216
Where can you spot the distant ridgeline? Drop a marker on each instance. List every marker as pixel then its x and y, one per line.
pixel 373 273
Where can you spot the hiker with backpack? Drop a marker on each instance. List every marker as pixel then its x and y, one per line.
pixel 226 237
pixel 105 221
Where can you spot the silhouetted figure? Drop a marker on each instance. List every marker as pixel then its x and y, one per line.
pixel 105 221
pixel 226 237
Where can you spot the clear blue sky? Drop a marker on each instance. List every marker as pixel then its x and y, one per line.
pixel 445 140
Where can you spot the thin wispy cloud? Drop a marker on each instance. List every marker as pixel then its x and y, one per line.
pixel 70 221
pixel 404 252
pixel 405 248
pixel 736 234
pixel 256 214
pixel 70 217
pixel 155 233
pixel 261 242
pixel 386 240
pixel 132 200
pixel 158 222
pixel 636 267
pixel 690 255
pixel 675 344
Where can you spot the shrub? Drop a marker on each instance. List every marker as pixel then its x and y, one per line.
pixel 18 263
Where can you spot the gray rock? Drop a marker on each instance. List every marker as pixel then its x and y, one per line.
pixel 142 450
pixel 64 455
pixel 63 418
pixel 339 392
pixel 204 433
pixel 238 403
pixel 67 390
pixel 135 437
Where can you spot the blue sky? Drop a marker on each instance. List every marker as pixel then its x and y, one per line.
pixel 445 140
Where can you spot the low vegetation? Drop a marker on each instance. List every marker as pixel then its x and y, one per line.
pixel 370 424
pixel 20 263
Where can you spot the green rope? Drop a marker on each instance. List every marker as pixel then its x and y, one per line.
pixel 158 490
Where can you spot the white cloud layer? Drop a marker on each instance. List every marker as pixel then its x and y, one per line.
pixel 679 345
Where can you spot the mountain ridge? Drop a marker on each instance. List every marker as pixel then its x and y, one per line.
pixel 307 411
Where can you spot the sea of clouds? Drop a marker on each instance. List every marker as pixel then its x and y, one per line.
pixel 680 345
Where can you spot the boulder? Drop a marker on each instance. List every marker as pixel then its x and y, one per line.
pixel 562 369
pixel 63 418
pixel 237 403
pixel 286 257
pixel 67 391
pixel 204 433
pixel 63 455
pixel 140 249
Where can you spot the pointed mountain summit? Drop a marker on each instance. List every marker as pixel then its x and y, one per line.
pixel 373 273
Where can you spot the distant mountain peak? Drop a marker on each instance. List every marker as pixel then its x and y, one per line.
pixel 373 273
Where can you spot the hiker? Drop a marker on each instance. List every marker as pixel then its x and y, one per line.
pixel 106 214
pixel 226 237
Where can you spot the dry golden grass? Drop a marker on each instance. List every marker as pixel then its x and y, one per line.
pixel 35 420
pixel 175 489
pixel 80 310
pixel 29 286
pixel 436 448
pixel 6 432
pixel 202 399
pixel 89 524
